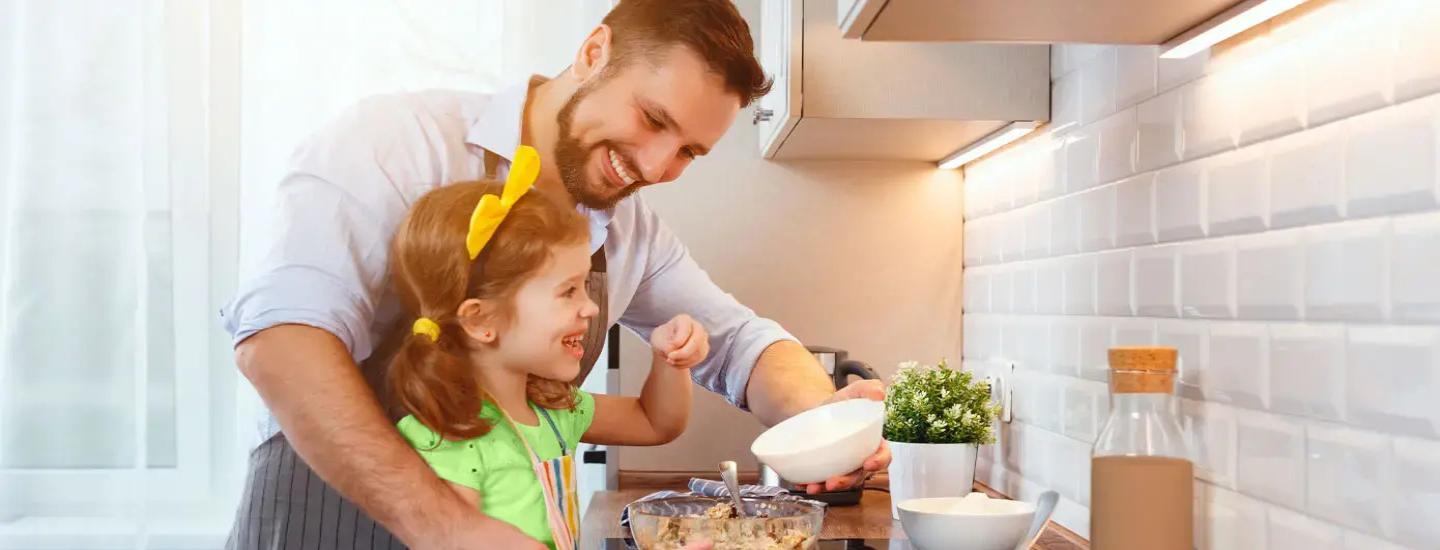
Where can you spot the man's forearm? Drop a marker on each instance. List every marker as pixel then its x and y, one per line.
pixel 332 419
pixel 787 380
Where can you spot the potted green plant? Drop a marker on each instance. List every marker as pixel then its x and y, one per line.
pixel 936 418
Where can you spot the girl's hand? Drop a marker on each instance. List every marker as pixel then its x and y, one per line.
pixel 682 342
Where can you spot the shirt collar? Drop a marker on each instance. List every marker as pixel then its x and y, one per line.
pixel 498 128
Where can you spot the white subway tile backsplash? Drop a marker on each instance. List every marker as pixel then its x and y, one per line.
pixel 1112 283
pixel 1232 521
pixel 1132 332
pixel 1037 230
pixel 1269 275
pixel 1117 135
pixel 1394 379
pixel 1391 159
pixel 1347 69
pixel 1236 191
pixel 982 340
pixel 1022 288
pixel 1207 271
pixel 1097 219
pixel 1072 469
pixel 1417 48
pixel 1013 225
pixel 1291 530
pixel 1415 268
pixel 1082 405
pixel 1134 210
pixel 1266 90
pixel 1417 491
pixel 1094 349
pixel 976 290
pixel 1191 340
pixel 1207 115
pixel 1272 211
pixel 1065 102
pixel 1159 132
pixel 1180 202
pixel 1210 429
pixel 1307 176
pixel 1082 147
pixel 1080 285
pixel 1065 346
pixel 1097 88
pixel 1307 370
pixel 1065 225
pixel 1349 477
pixel 1001 280
pixel 1047 159
pixel 1134 74
pixel 1270 458
pixel 1171 73
pixel 1345 271
pixel 1050 286
pixel 1154 282
pixel 1236 364
pixel 1359 541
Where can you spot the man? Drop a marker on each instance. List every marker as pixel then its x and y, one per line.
pixel 651 89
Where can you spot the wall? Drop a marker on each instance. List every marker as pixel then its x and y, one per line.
pixel 1268 209
pixel 857 255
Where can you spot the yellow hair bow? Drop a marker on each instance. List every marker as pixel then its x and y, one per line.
pixel 492 209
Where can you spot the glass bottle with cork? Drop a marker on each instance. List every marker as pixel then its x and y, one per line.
pixel 1141 474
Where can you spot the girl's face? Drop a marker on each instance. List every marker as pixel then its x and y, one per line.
pixel 552 312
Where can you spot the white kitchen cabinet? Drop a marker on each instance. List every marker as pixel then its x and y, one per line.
pixel 845 99
pixel 1090 21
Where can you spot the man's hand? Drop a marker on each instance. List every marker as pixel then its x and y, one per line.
pixel 863 389
pixel 681 342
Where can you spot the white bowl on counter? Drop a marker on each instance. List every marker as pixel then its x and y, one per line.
pixel 972 522
pixel 823 442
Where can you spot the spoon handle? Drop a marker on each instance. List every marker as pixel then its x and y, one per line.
pixel 731 477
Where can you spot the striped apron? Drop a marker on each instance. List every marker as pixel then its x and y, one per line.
pixel 286 505
pixel 557 484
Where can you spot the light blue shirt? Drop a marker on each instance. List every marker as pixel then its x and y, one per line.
pixel 351 183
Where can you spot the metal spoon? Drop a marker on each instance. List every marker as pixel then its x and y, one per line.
pixel 732 482
pixel 1043 508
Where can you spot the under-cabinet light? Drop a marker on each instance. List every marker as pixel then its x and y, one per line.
pixel 996 140
pixel 1229 23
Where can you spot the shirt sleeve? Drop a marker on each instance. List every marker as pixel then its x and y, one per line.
pixel 325 256
pixel 453 461
pixel 673 284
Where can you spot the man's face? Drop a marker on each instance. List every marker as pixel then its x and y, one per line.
pixel 640 124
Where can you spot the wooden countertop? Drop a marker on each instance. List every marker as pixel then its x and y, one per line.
pixel 869 520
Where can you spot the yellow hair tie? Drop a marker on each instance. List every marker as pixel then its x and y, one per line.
pixel 427 327
pixel 492 210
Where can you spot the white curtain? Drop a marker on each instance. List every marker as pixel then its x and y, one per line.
pixel 140 141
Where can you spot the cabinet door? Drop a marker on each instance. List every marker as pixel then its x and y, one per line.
pixel 780 45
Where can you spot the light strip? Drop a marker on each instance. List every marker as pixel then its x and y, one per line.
pixel 1229 23
pixel 995 140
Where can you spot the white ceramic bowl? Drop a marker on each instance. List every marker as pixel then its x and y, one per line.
pixel 973 522
pixel 823 442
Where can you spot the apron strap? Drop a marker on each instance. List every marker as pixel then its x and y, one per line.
pixel 564 448
pixel 492 162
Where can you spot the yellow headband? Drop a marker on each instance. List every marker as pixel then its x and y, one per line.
pixel 492 209
pixel 427 327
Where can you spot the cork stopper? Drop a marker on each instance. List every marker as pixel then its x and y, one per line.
pixel 1152 359
pixel 1142 369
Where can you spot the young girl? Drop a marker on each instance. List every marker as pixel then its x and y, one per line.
pixel 495 284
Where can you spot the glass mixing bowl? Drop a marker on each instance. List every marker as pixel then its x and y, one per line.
pixel 671 523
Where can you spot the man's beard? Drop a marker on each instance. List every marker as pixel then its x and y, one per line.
pixel 570 159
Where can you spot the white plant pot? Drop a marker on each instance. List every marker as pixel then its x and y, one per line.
pixel 927 470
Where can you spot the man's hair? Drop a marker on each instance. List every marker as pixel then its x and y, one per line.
pixel 713 29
